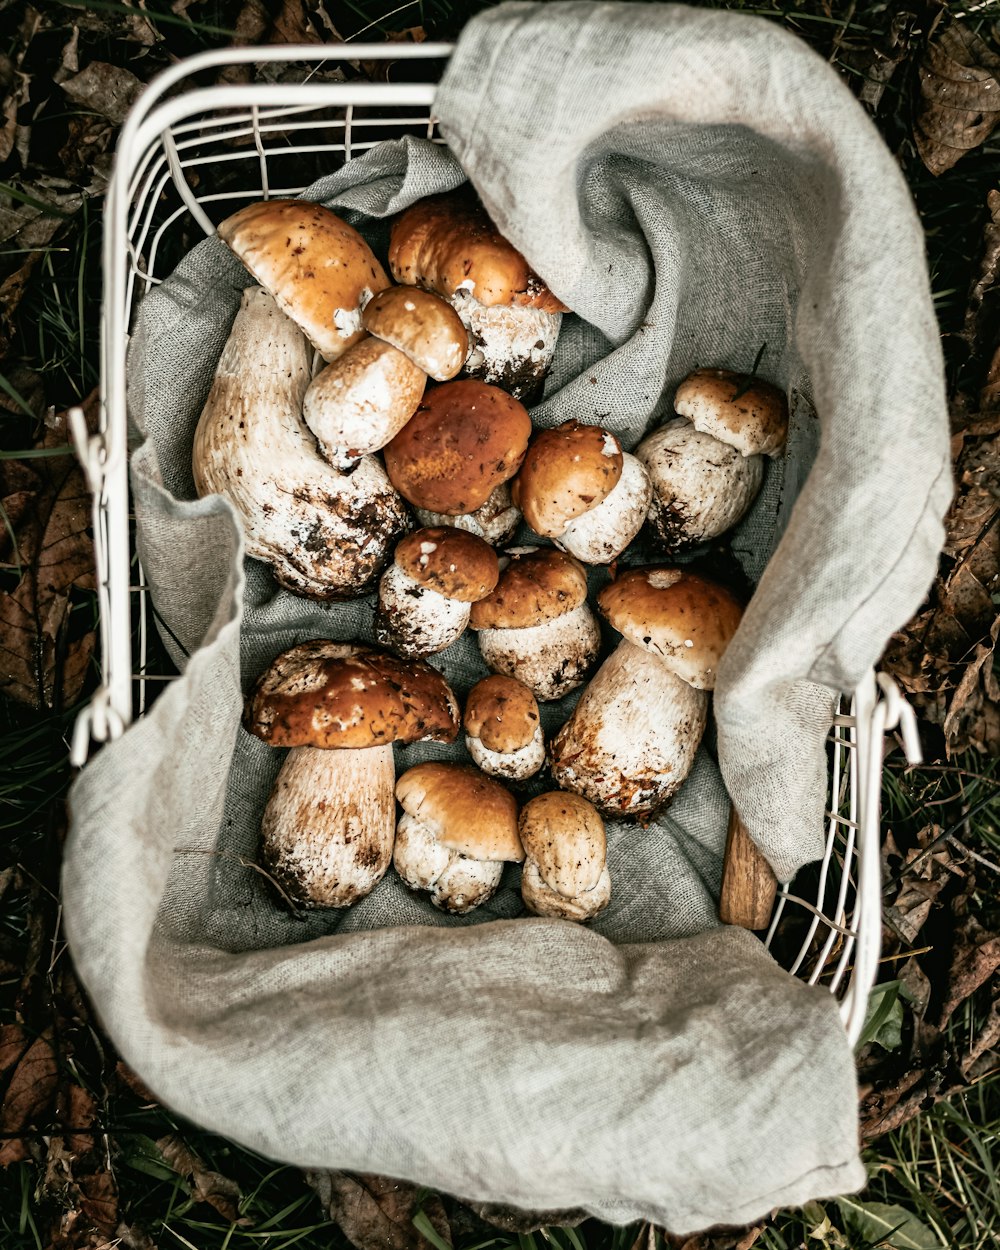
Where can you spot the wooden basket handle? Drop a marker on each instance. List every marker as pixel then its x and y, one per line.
pixel 748 884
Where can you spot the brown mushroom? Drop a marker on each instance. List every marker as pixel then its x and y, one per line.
pixel 503 728
pixel 565 870
pixel 421 325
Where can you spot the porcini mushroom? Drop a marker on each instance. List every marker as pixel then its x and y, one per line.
pixel 426 594
pixel 503 729
pixel 317 267
pixel 447 243
pixel 422 326
pixel 457 831
pixel 536 625
pixel 706 466
pixel 324 534
pixel 328 828
pixel 632 738
pixel 577 487
pixel 565 852
pixel 464 440
pixel 495 521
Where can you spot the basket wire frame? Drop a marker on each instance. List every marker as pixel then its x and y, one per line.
pixel 189 156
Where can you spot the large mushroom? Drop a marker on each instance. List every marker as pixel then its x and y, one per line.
pixel 632 738
pixel 457 831
pixel 328 828
pixel 577 487
pixel 536 625
pixel 324 534
pixel 447 243
pixel 426 595
pixel 503 728
pixel 565 872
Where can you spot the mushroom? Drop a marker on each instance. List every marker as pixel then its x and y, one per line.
pixel 318 268
pixel 503 729
pixel 461 443
pixel 448 244
pixel 457 831
pixel 422 326
pixel 706 465
pixel 578 488
pixel 495 521
pixel 565 850
pixel 327 831
pixel 324 534
pixel 536 625
pixel 426 594
pixel 632 738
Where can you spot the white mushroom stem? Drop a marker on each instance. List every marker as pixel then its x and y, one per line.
pixel 701 487
pixel 540 898
pixel 328 828
pixel 456 883
pixel 552 658
pixel 495 522
pixel 633 736
pixel 602 534
pixel 414 619
pixel 515 765
pixel 510 346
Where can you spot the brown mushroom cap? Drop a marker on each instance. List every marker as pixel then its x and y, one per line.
pixel 537 585
pixel 684 619
pixel 564 835
pixel 453 562
pixel 316 695
pixel 316 266
pixel 446 242
pixel 464 440
pixel 466 811
pixel 502 713
pixel 566 472
pixel 421 325
pixel 748 414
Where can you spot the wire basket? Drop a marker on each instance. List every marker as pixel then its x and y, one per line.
pixel 190 155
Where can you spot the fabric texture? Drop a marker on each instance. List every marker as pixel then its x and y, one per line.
pixel 694 185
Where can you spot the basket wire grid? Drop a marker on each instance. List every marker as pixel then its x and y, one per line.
pixel 190 155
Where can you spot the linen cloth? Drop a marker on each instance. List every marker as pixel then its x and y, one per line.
pixel 692 184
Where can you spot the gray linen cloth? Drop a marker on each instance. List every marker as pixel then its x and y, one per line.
pixel 693 184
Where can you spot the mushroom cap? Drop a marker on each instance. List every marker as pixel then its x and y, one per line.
pixel 681 617
pixel 747 413
pixel 447 242
pixel 539 584
pixel 502 713
pixel 464 440
pixel 564 835
pixel 326 694
pixel 566 472
pixel 466 811
pixel 451 561
pixel 317 267
pixel 422 325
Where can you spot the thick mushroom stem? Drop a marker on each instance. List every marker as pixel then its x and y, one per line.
pixel 602 534
pixel 456 883
pixel 540 898
pixel 552 658
pixel 510 346
pixel 515 765
pixel 328 828
pixel 633 736
pixel 495 522
pixel 414 619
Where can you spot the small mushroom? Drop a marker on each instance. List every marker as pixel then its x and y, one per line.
pixel 327 831
pixel 457 831
pixel 421 325
pixel 448 244
pixel 536 625
pixel 495 521
pixel 317 267
pixel 565 870
pixel 325 535
pixel 503 729
pixel 578 488
pixel 426 594
pixel 633 736
pixel 741 411
pixel 461 443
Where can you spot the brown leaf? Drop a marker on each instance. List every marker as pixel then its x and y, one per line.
pixel 105 89
pixel 985 1041
pixel 960 93
pixel 877 61
pixel 28 1095
pixel 975 959
pixel 205 1185
pixel 77 1170
pixel 915 1091
pixel 989 274
pixel 515 1220
pixel 717 1239
pixel 11 291
pixel 376 1212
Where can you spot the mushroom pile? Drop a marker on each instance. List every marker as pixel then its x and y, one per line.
pixel 371 434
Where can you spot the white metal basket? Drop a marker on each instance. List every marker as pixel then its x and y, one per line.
pixel 188 156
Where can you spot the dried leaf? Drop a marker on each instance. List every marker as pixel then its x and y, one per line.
pixel 27 1099
pixel 515 1220
pixel 11 291
pixel 376 1213
pixel 17 95
pixel 916 1090
pixel 134 1082
pixel 985 1041
pixel 960 91
pixel 988 280
pixel 975 959
pixel 105 89
pixel 205 1185
pixel 77 1169
pixel 878 60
